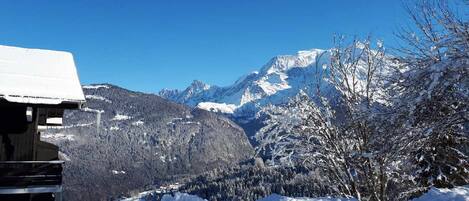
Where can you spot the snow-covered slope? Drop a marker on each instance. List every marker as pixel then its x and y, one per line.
pixel 138 140
pixel 460 193
pixel 181 197
pixel 275 197
pixel 278 80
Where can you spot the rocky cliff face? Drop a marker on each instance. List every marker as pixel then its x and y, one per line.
pixel 141 139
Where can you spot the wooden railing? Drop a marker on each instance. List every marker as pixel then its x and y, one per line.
pixel 30 173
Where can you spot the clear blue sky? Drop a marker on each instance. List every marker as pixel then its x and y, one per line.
pixel 150 45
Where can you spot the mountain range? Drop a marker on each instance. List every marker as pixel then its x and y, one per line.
pixel 275 83
pixel 124 140
pixel 280 79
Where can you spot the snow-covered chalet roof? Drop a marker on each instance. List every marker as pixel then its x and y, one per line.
pixel 34 76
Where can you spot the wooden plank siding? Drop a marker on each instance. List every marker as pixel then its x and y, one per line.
pixel 17 136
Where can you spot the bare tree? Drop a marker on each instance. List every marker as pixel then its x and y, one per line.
pixel 432 90
pixel 400 124
pixel 342 142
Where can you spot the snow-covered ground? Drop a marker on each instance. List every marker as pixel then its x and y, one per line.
pixel 165 189
pixel 58 137
pixel 65 127
pixel 460 193
pixel 95 86
pixel 95 97
pixel 275 197
pixel 456 194
pixel 181 197
pixel 217 107
pixel 87 109
pixel 116 172
pixel 137 123
pixel 120 117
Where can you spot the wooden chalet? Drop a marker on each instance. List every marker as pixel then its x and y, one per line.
pixel 36 86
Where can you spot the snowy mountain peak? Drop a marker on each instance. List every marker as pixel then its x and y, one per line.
pixel 278 80
pixel 283 63
pixel 169 93
pixel 195 88
pixel 198 85
pixel 311 52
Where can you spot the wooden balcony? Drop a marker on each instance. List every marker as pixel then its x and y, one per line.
pixel 31 180
pixel 30 173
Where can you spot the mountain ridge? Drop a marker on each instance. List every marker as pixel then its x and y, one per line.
pixel 280 78
pixel 142 139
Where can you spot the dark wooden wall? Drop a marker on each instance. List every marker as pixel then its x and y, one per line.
pixel 17 136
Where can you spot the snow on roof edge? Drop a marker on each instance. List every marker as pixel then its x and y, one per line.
pixel 38 76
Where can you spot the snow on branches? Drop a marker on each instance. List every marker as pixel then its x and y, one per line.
pixel 395 126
